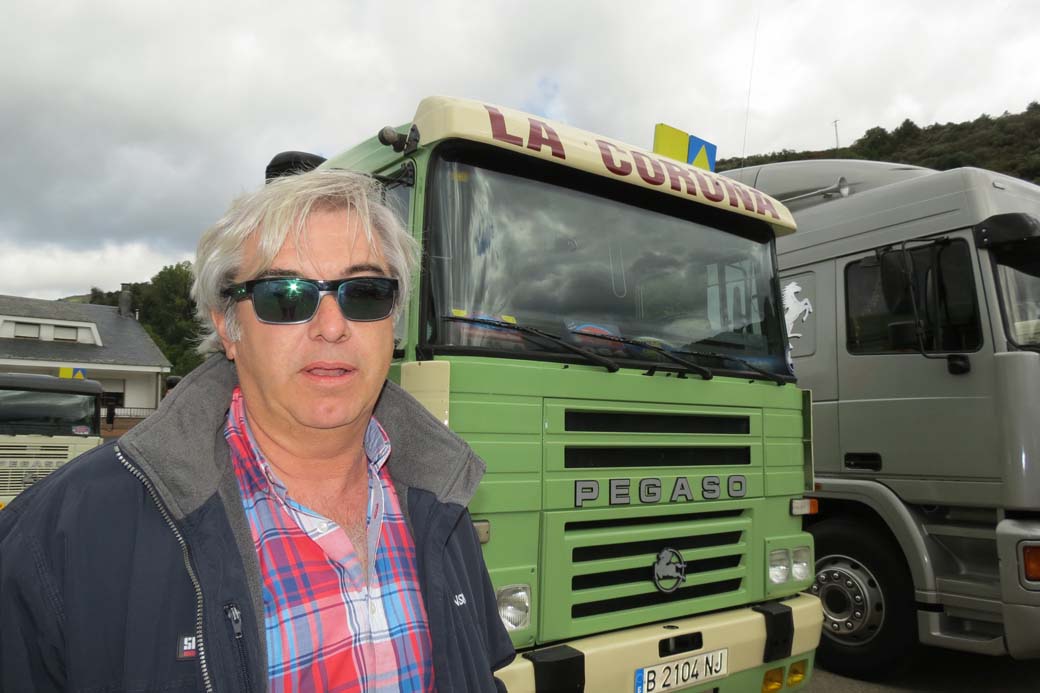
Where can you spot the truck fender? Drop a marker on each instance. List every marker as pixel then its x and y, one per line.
pixel 905 526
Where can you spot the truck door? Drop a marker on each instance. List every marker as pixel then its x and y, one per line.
pixel 809 308
pixel 918 423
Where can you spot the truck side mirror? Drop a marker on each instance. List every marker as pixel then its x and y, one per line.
pixel 958 364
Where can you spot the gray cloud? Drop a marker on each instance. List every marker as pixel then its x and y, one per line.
pixel 136 123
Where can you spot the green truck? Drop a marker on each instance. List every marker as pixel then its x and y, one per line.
pixel 604 326
pixel 44 422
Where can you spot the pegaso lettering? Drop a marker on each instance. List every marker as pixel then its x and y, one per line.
pixel 652 170
pixel 651 490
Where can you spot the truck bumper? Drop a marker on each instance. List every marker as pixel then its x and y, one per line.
pixel 608 662
pixel 1022 631
pixel 1020 596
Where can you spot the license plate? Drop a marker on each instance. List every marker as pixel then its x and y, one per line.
pixel 683 673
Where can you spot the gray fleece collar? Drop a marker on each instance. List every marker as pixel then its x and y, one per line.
pixel 181 446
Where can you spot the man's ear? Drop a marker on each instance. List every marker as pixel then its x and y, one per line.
pixel 220 321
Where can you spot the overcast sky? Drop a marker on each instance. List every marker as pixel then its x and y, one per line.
pixel 126 127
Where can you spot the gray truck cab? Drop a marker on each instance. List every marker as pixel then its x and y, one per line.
pixel 912 305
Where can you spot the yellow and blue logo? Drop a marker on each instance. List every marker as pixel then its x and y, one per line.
pixel 682 146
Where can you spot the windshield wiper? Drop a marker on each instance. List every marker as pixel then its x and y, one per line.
pixel 747 364
pixel 610 365
pixel 702 371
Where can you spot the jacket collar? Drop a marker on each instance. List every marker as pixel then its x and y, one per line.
pixel 181 447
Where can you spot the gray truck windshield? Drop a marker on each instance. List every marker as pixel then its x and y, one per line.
pixel 509 248
pixel 1018 278
pixel 30 412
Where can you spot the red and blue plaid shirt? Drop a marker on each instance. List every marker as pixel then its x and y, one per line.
pixel 329 628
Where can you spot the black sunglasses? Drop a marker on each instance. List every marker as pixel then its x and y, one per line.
pixel 293 300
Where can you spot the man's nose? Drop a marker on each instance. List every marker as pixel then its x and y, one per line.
pixel 328 322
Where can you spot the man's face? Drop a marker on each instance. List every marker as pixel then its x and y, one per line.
pixel 326 373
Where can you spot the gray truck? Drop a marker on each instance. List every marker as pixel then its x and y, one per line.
pixel 912 304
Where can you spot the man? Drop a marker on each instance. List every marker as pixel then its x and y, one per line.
pixel 287 520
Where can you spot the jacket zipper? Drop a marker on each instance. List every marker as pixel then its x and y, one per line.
pixel 235 617
pixel 200 645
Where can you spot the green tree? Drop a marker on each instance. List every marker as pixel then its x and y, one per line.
pixel 876 143
pixel 906 133
pixel 166 311
pixel 1007 144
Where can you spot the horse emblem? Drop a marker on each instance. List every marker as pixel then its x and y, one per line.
pixel 795 308
pixel 669 570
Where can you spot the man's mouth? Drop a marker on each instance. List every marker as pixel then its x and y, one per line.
pixel 328 370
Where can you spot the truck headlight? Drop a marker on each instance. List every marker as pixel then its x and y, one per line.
pixel 801 563
pixel 779 566
pixel 514 606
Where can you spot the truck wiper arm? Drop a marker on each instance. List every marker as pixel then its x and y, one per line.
pixel 702 371
pixel 747 364
pixel 610 365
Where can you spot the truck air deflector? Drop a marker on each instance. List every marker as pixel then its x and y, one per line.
pixel 1006 228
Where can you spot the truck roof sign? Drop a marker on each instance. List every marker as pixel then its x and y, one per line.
pixel 438 118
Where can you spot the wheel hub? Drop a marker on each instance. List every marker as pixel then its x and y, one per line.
pixel 853 604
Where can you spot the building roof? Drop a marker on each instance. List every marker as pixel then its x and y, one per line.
pixel 126 343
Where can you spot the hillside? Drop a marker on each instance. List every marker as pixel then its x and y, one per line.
pixel 1009 144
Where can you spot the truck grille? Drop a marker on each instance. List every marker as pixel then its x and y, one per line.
pixel 647 512
pixel 634 422
pixel 608 570
pixel 14 481
pixel 15 451
pixel 575 457
pixel 23 464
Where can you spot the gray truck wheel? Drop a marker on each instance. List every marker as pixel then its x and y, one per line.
pixel 869 619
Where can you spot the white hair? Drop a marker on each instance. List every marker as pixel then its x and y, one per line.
pixel 269 215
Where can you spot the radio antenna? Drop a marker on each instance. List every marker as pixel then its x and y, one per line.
pixel 751 72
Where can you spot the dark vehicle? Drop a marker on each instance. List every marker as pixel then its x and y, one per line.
pixel 44 422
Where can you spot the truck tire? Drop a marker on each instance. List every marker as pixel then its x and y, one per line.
pixel 869 616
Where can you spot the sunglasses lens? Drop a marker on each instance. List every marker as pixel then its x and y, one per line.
pixel 285 300
pixel 367 298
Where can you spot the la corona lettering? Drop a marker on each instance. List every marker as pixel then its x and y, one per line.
pixel 652 170
pixel 540 134
pixel 682 178
pixel 625 491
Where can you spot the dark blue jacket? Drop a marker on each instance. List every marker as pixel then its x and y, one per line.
pixel 133 568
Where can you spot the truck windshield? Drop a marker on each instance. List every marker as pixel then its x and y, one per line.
pixel 1018 277
pixel 30 412
pixel 511 248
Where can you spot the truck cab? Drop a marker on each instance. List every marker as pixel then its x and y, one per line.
pixel 44 422
pixel 603 326
pixel 912 306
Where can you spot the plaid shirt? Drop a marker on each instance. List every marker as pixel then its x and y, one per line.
pixel 329 628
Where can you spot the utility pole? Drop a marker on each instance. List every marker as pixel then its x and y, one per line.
pixel 836 145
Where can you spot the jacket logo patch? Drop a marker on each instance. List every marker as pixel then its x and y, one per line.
pixel 459 599
pixel 186 647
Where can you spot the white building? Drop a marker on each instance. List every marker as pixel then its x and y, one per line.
pixel 101 342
